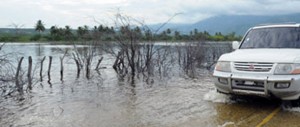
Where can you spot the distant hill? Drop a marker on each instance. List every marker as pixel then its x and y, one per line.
pixel 231 23
pixel 29 31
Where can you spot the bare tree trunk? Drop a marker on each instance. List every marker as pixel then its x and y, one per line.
pixel 29 73
pixel 18 85
pixel 179 55
pixel 49 69
pixel 132 68
pixel 88 62
pixel 78 67
pixel 99 61
pixel 62 65
pixel 61 69
pixel 116 62
pixel 132 61
pixel 88 66
pixel 159 64
pixel 76 59
pixel 41 71
pixel 149 60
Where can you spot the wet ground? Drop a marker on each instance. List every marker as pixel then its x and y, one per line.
pixel 106 101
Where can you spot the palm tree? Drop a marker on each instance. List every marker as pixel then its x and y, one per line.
pixel 169 31
pixel 80 32
pixel 54 32
pixel 83 32
pixel 68 32
pixel 40 26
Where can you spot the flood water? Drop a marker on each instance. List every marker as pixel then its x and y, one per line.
pixel 106 101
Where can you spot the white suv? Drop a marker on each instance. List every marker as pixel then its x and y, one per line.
pixel 265 63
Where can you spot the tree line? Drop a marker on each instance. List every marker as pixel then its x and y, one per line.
pixel 108 33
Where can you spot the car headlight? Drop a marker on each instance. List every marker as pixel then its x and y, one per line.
pixel 285 69
pixel 223 66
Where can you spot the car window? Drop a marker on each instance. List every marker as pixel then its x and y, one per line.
pixel 278 37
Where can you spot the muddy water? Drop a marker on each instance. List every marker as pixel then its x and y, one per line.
pixel 113 103
pixel 106 101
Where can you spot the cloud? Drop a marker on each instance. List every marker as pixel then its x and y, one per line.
pixel 83 12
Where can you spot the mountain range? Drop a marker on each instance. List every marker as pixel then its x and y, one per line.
pixel 231 23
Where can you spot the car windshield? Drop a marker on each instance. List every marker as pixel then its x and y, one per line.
pixel 276 37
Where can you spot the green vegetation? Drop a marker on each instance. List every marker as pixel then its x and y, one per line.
pixel 106 33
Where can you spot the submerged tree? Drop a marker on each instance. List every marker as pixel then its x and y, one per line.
pixel 136 55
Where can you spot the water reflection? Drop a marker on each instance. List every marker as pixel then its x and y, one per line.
pixel 245 111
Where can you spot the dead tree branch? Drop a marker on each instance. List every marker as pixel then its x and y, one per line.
pixel 17 80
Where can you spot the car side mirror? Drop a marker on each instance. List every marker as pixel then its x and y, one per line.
pixel 235 45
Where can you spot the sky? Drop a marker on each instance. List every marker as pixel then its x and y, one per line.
pixel 25 13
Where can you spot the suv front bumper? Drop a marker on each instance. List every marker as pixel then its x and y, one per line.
pixel 258 84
